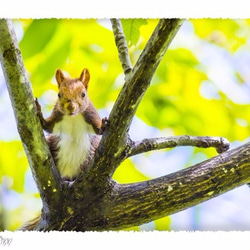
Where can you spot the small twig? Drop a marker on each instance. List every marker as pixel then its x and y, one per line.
pixel 221 144
pixel 122 46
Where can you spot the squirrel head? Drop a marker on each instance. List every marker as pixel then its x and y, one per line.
pixel 72 96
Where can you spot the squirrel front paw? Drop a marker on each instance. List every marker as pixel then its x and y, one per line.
pixel 38 106
pixel 39 111
pixel 105 124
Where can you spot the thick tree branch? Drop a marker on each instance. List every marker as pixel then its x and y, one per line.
pixel 175 192
pixel 122 46
pixel 138 203
pixel 28 124
pixel 221 144
pixel 94 201
pixel 110 152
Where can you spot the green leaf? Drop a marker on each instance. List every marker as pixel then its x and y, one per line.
pixel 131 28
pixel 37 36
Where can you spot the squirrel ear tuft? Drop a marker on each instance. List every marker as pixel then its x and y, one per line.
pixel 84 78
pixel 60 77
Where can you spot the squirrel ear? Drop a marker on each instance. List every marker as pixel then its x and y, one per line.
pixel 84 78
pixel 60 77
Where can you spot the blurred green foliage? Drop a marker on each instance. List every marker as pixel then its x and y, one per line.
pixel 131 29
pixel 173 104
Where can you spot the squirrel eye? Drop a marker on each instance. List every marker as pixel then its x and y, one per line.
pixel 59 95
pixel 83 94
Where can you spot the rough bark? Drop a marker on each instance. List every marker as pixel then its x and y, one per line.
pixel 28 124
pixel 112 148
pixel 221 144
pixel 133 204
pixel 94 201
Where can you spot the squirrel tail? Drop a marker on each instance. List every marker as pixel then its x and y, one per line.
pixel 30 225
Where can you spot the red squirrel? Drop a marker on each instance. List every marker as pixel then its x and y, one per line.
pixel 74 128
pixel 73 125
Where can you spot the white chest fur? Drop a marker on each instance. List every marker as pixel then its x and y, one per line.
pixel 74 144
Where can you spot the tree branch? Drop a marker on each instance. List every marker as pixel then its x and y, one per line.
pixel 175 192
pixel 221 144
pixel 111 151
pixel 94 201
pixel 28 124
pixel 138 203
pixel 122 46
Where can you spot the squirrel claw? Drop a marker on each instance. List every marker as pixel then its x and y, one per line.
pixel 38 106
pixel 105 121
pixel 105 124
pixel 39 112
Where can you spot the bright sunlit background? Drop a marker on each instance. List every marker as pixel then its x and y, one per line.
pixel 202 87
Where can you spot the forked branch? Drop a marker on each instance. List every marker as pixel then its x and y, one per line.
pixel 153 199
pixel 137 203
pixel 111 149
pixel 98 203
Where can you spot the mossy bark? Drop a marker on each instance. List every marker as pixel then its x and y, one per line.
pixel 24 108
pixel 94 201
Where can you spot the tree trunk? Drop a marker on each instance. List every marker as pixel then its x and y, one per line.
pixel 94 201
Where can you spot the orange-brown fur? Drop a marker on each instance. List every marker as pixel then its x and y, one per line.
pixel 73 111
pixel 72 100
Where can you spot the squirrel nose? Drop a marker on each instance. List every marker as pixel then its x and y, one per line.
pixel 70 106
